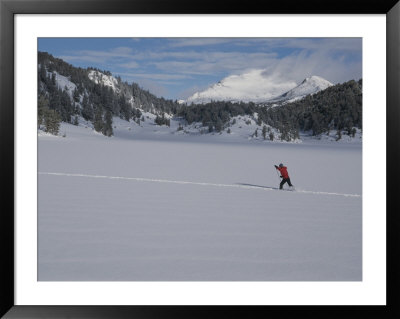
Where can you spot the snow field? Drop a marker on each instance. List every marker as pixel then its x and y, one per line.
pixel 125 230
pixel 128 229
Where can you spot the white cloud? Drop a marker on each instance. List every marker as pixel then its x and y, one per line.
pixel 322 63
pixel 155 76
pixel 210 63
pixel 129 65
pixel 184 94
pixel 186 42
pixel 331 44
pixel 98 56
pixel 82 58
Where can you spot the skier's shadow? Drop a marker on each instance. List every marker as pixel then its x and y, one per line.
pixel 258 186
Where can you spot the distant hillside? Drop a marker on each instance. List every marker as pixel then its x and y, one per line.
pixel 93 94
pixel 338 107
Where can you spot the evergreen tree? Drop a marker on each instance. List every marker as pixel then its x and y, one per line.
pixel 53 79
pixel 107 126
pixel 125 108
pixel 98 120
pixel 43 106
pixel 76 122
pixel 339 135
pixel 87 110
pixel 47 117
pixel 76 96
pixel 218 126
pixel 264 132
pixel 52 121
pixel 271 136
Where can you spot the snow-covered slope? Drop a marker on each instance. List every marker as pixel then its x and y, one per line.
pixel 64 83
pixel 309 85
pixel 101 78
pixel 255 86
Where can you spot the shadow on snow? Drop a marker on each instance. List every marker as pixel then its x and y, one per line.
pixel 257 186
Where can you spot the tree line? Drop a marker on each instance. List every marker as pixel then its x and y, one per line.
pixel 216 114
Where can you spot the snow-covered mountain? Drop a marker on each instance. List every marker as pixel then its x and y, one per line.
pixel 309 85
pixel 255 86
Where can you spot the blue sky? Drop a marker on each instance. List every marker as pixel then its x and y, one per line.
pixel 175 68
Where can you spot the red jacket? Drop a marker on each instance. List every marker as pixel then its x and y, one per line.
pixel 283 171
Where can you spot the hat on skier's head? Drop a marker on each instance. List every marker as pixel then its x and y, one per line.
pixel 280 165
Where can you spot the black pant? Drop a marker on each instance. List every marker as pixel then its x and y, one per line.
pixel 285 180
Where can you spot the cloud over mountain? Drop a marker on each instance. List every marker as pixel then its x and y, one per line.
pixel 258 86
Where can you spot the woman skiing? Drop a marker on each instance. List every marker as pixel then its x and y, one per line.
pixel 284 175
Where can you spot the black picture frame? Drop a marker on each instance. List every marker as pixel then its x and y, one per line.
pixel 9 8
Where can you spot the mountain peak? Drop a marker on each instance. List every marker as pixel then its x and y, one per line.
pixel 254 86
pixel 309 85
pixel 315 79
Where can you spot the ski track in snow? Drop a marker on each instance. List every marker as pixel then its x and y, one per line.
pixel 245 186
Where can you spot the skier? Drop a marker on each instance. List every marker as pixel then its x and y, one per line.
pixel 284 175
